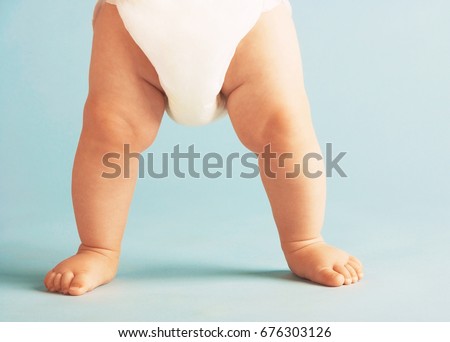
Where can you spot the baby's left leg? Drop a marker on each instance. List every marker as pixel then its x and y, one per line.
pixel 268 106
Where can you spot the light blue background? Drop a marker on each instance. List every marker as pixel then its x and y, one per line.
pixel 378 77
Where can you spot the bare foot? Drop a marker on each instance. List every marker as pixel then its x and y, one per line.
pixel 83 272
pixel 321 263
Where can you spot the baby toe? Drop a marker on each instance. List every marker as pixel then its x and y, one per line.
pixel 342 270
pixel 48 281
pixel 358 269
pixel 355 260
pixel 57 282
pixel 78 286
pixel 329 277
pixel 66 280
pixel 352 273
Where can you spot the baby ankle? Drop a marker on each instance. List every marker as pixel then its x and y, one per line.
pixel 293 246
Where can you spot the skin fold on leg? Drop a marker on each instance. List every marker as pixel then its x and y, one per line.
pixel 267 104
pixel 124 106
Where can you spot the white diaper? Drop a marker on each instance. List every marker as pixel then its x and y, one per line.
pixel 191 44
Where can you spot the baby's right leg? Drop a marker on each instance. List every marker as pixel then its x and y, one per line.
pixel 125 106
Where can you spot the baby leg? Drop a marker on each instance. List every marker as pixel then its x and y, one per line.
pixel 125 106
pixel 268 105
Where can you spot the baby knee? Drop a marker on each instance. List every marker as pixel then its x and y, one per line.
pixel 279 129
pixel 115 126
